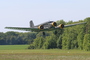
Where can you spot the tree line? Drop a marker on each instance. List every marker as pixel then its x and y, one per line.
pixel 76 37
pixel 14 38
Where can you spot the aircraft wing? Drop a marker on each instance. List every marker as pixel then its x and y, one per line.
pixel 74 24
pixel 24 28
pixel 36 29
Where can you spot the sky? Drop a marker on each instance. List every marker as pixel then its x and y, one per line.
pixel 18 13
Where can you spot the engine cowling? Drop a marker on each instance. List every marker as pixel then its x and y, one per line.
pixel 61 26
pixel 54 24
pixel 41 27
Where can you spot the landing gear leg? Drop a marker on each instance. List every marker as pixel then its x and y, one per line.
pixel 43 33
pixel 55 32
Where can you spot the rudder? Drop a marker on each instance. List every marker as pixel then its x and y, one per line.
pixel 31 24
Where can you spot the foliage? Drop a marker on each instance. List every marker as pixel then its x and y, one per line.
pixel 86 43
pixel 14 38
pixel 59 42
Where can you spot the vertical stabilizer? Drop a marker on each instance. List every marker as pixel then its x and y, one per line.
pixel 31 24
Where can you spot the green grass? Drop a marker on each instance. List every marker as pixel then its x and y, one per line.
pixel 20 52
pixel 13 47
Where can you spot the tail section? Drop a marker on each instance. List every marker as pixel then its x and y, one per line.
pixel 31 24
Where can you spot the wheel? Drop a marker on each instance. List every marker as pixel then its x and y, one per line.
pixel 43 33
pixel 55 32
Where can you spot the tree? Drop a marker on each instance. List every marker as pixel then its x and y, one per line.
pixel 69 38
pixel 2 38
pixel 59 42
pixel 86 43
pixel 87 20
pixel 38 42
pixel 50 42
pixel 60 22
pixel 80 36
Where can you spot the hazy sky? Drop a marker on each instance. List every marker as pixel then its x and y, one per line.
pixel 20 12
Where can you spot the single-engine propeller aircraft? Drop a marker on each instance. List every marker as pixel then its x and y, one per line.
pixel 46 26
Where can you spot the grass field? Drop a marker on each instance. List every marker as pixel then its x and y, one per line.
pixel 20 52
